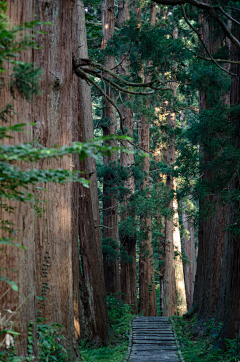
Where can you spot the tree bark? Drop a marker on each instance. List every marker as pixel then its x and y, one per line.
pixel 169 296
pixel 180 282
pixel 190 252
pixel 128 243
pixel 16 264
pixel 228 309
pixel 147 294
pixel 92 290
pixel 57 117
pixel 110 201
pixel 211 229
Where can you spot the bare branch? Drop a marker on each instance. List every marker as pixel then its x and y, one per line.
pixel 102 226
pixel 211 9
pixel 229 16
pixel 200 38
pixel 82 62
pixel 80 73
pixel 217 60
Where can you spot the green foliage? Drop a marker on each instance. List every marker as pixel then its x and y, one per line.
pixel 25 79
pixel 204 346
pixel 18 182
pixel 120 315
pixel 109 250
pixel 51 342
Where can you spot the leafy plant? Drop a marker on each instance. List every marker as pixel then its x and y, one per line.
pixel 203 347
pixel 50 342
pixel 120 314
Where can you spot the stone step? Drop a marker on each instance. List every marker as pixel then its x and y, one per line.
pixel 152 340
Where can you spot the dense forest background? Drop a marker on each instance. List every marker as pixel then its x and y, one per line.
pixel 119 172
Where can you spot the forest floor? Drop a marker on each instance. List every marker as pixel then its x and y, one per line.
pixel 120 315
pixel 204 347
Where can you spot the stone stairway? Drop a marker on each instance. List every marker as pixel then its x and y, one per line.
pixel 152 340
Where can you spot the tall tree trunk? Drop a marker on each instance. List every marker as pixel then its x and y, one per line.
pixel 128 267
pixel 147 294
pixel 16 264
pixel 110 201
pixel 228 309
pixel 190 252
pixel 211 230
pixel 93 306
pixel 56 117
pixel 180 282
pixel 169 296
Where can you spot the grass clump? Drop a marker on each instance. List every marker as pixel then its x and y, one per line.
pixel 203 347
pixel 120 314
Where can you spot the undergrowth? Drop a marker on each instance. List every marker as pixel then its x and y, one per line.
pixel 120 314
pixel 204 347
pixel 51 342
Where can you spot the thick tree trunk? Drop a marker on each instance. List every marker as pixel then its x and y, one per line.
pixel 147 294
pixel 211 229
pixel 128 243
pixel 110 201
pixel 15 264
pixel 228 309
pixel 57 117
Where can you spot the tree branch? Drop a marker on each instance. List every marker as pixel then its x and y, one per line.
pixel 102 226
pixel 211 9
pixel 80 73
pixel 200 38
pixel 217 60
pixel 83 62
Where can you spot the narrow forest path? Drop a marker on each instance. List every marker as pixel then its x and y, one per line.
pixel 152 340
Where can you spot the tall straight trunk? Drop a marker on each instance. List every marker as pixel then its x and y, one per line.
pixel 92 305
pixel 228 309
pixel 16 264
pixel 110 201
pixel 57 116
pixel 190 252
pixel 128 267
pixel 169 296
pixel 147 294
pixel 180 282
pixel 211 230
pixel 161 262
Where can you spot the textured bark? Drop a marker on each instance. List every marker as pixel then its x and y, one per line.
pixel 161 263
pixel 93 319
pixel 190 252
pixel 56 117
pixel 169 295
pixel 110 202
pixel 211 229
pixel 93 313
pixel 12 258
pixel 228 309
pixel 147 294
pixel 180 282
pixel 128 268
